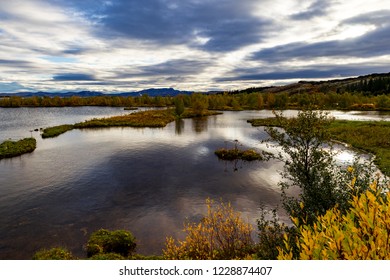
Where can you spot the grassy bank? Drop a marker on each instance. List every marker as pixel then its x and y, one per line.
pixel 370 136
pixel 56 130
pixel 10 149
pixel 150 118
pixel 373 137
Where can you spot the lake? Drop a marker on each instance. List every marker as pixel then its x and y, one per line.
pixel 148 181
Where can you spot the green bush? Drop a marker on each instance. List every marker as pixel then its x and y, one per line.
pixel 104 241
pixel 107 256
pixel 57 253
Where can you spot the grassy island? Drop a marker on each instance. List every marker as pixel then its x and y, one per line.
pixel 149 118
pixel 10 149
pixel 370 136
pixel 56 130
pixel 233 154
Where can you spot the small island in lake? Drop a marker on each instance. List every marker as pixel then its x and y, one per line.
pixel 236 153
pixel 10 148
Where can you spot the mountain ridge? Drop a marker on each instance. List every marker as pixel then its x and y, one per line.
pixel 375 83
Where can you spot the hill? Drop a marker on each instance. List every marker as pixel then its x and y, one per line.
pixel 373 84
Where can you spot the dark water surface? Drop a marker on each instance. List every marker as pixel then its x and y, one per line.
pixel 148 181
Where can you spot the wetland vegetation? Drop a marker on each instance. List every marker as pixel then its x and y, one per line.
pixel 369 136
pixel 238 154
pixel 10 148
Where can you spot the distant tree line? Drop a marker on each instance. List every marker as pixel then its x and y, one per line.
pixel 352 100
pixel 373 86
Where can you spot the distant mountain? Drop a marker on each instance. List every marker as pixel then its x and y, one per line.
pixel 373 84
pixel 151 92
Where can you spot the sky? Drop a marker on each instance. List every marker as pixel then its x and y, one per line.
pixel 197 45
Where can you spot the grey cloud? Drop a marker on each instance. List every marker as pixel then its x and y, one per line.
pixel 175 67
pixel 313 72
pixel 227 24
pixel 377 18
pixel 371 44
pixel 316 9
pixel 16 63
pixel 73 77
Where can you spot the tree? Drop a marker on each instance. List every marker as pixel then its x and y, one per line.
pixel 221 234
pixel 179 105
pixel 103 241
pixel 362 233
pixel 199 103
pixel 308 166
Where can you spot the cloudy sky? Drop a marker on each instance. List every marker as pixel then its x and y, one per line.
pixel 201 45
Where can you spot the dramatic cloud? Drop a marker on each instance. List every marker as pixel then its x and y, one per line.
pixel 317 72
pixel 219 25
pixel 316 9
pixel 73 77
pixel 371 44
pixel 121 45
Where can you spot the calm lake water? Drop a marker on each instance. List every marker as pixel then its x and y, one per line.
pixel 148 181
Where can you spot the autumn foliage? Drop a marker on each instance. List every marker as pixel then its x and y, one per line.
pixel 362 233
pixel 221 234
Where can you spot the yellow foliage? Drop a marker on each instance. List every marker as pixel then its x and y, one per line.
pixel 221 234
pixel 363 233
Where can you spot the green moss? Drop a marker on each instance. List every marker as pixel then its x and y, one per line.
pixel 56 130
pixel 10 149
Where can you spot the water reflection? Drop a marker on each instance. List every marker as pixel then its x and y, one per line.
pixel 179 126
pixel 199 125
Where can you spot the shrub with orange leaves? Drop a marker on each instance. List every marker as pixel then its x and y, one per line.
pixel 221 234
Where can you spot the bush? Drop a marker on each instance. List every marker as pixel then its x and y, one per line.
pixel 271 234
pixel 362 233
pixel 107 256
pixel 221 234
pixel 104 241
pixel 53 254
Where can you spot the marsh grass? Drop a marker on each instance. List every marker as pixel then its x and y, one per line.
pixel 10 149
pixel 233 154
pixel 373 137
pixel 54 131
pixel 150 118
